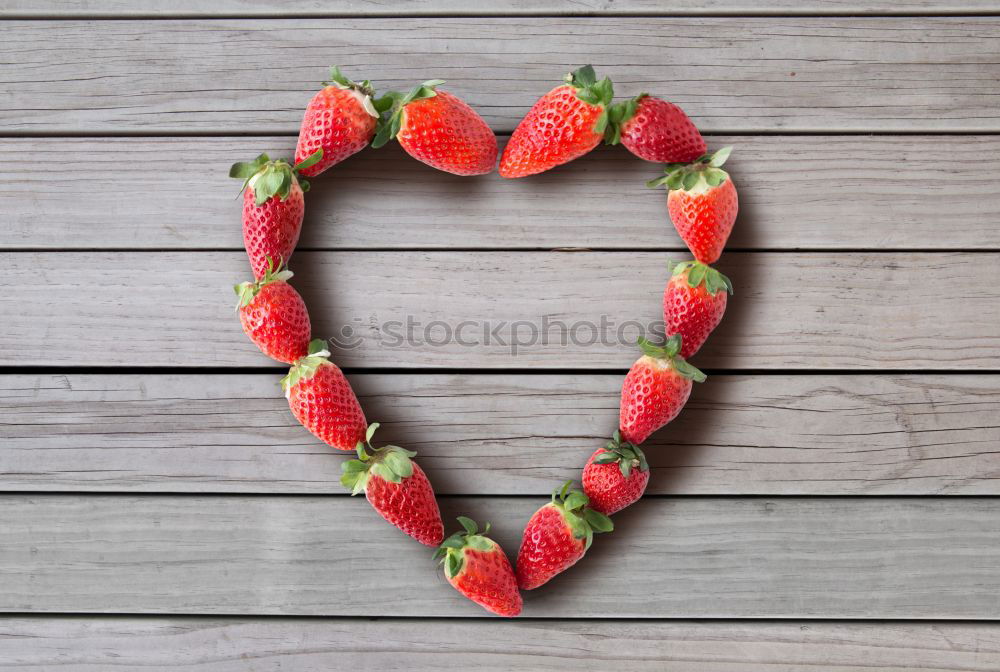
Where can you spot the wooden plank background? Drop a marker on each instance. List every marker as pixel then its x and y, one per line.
pixel 402 309
pixel 241 8
pixel 76 644
pixel 720 557
pixel 764 74
pixel 828 499
pixel 480 433
pixel 788 186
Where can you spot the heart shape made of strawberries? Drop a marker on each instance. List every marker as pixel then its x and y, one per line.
pixel 439 129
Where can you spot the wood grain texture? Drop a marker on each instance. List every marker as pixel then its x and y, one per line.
pixel 773 74
pixel 89 644
pixel 795 192
pixel 918 558
pixel 815 311
pixel 249 8
pixel 504 434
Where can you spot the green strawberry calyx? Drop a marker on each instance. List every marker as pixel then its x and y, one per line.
pixel 267 178
pixel 618 115
pixel 390 463
pixel 593 92
pixel 582 519
pixel 305 367
pixel 699 176
pixel 364 89
pixel 247 291
pixel 698 273
pixel 628 456
pixel 394 102
pixel 669 351
pixel 452 550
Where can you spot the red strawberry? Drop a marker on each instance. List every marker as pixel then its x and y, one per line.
pixel 273 207
pixel 615 476
pixel 702 204
pixel 557 536
pixel 340 120
pixel 322 400
pixel 655 130
pixel 693 303
pixel 397 488
pixel 274 316
pixel 439 129
pixel 565 123
pixel 479 569
pixel 655 389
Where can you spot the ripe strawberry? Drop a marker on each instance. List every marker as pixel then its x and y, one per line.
pixel 655 389
pixel 693 303
pixel 273 207
pixel 340 120
pixel 397 488
pixel 479 569
pixel 439 129
pixel 322 400
pixel 702 203
pixel 565 123
pixel 274 316
pixel 615 476
pixel 655 130
pixel 557 536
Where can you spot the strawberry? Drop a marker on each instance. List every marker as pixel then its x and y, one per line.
pixel 322 400
pixel 439 129
pixel 615 476
pixel 557 535
pixel 274 316
pixel 480 570
pixel 693 303
pixel 655 389
pixel 702 203
pixel 273 207
pixel 340 120
pixel 397 488
pixel 565 123
pixel 654 130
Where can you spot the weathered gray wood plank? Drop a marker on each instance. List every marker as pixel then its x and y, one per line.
pixel 815 310
pixel 88 644
pixel 247 8
pixel 795 192
pixel 504 434
pixel 919 558
pixel 729 74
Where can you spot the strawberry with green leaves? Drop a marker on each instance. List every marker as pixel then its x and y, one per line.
pixel 322 400
pixel 339 121
pixel 274 316
pixel 273 208
pixel 479 569
pixel 557 536
pixel 654 130
pixel 694 302
pixel 615 476
pixel 439 129
pixel 702 203
pixel 397 488
pixel 565 123
pixel 655 389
